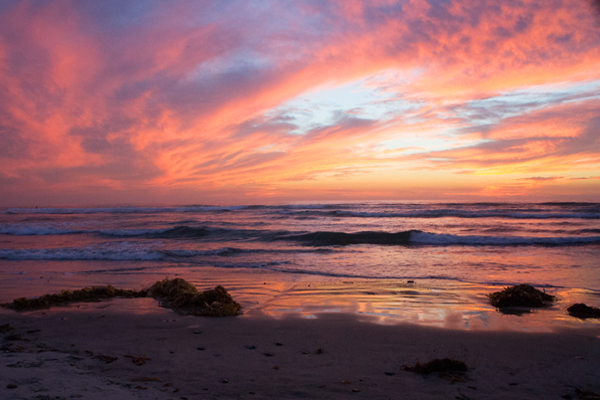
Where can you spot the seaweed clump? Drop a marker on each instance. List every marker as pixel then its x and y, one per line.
pixel 521 296
pixel 184 297
pixel 586 394
pixel 583 311
pixel 174 293
pixel 444 365
pixel 87 294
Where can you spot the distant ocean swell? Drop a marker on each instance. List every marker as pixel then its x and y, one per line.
pixel 124 210
pixel 536 211
pixel 446 213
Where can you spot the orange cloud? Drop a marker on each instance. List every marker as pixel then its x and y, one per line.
pixel 189 98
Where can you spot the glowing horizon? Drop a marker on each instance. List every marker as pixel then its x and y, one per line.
pixel 221 102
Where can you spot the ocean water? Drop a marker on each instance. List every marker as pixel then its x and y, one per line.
pixel 555 246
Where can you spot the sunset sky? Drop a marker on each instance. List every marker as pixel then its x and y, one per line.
pixel 231 101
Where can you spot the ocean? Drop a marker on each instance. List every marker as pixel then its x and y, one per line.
pixel 553 246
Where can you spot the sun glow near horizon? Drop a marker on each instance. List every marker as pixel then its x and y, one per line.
pixel 221 102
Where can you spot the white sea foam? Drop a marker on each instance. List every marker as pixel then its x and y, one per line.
pixel 35 229
pixel 104 251
pixel 426 238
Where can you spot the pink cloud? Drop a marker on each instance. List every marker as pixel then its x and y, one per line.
pixel 183 96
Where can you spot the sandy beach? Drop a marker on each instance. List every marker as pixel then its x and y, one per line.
pixel 110 350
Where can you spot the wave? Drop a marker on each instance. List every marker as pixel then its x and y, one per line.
pixel 415 237
pixel 588 230
pixel 182 231
pixel 126 251
pixel 176 232
pixel 439 239
pixel 185 232
pixel 47 229
pixel 124 210
pixel 357 210
pixel 35 229
pixel 445 213
pixel 319 238
pixel 343 239
pixel 87 253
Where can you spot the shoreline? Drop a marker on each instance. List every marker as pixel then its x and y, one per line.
pixel 428 302
pixel 67 353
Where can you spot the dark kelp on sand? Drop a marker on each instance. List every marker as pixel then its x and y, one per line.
pixel 521 296
pixel 87 294
pixel 444 365
pixel 184 297
pixel 176 293
pixel 583 311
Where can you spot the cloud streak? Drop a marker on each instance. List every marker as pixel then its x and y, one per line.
pixel 214 100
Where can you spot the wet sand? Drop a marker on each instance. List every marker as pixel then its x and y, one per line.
pixel 126 349
pixel 430 302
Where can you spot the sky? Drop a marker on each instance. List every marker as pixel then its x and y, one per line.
pixel 269 101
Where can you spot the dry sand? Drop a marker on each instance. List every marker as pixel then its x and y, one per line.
pixel 68 353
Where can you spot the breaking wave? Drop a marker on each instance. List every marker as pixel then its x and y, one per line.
pixel 415 237
pixel 343 239
pixel 35 229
